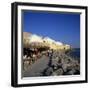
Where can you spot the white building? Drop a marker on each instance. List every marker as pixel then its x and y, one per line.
pixel 35 38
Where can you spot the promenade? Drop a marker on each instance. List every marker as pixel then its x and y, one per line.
pixel 56 64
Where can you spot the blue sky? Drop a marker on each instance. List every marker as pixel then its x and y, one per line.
pixel 63 27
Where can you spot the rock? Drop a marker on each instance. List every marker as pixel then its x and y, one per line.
pixel 71 72
pixel 49 71
pixel 58 72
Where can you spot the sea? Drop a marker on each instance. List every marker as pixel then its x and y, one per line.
pixel 74 53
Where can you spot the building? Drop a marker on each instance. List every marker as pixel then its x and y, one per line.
pixel 26 39
pixel 38 41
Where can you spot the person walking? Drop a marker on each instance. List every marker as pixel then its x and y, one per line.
pixel 50 58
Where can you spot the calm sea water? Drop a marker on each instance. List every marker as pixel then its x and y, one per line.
pixel 75 53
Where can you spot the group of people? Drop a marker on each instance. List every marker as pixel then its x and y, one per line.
pixel 30 56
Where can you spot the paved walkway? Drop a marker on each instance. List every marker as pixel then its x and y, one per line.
pixel 36 68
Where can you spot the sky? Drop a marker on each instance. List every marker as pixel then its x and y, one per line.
pixel 63 27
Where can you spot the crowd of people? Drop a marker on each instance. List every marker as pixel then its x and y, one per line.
pixel 30 56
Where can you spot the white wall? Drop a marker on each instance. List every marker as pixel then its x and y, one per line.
pixel 5 46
